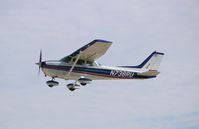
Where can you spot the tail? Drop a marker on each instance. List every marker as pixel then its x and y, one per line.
pixel 152 62
pixel 150 65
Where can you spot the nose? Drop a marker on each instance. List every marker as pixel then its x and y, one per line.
pixel 40 63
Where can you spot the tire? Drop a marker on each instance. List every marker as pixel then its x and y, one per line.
pixel 50 86
pixel 83 84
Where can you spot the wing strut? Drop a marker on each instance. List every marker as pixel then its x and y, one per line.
pixel 71 69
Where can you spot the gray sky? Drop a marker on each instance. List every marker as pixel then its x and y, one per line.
pixel 136 28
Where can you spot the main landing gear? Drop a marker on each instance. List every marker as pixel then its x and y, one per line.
pixel 72 86
pixel 82 81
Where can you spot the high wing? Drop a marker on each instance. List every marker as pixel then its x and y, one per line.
pixel 92 51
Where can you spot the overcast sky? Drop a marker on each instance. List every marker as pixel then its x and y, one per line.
pixel 136 28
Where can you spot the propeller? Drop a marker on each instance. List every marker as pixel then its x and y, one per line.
pixel 40 61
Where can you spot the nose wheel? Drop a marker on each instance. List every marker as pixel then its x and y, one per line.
pixel 52 83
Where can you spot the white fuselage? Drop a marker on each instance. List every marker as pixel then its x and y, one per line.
pixel 58 69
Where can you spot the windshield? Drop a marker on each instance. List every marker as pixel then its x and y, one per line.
pixel 66 59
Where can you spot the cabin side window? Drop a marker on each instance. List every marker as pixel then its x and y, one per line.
pixel 90 63
pixel 67 59
pixel 80 62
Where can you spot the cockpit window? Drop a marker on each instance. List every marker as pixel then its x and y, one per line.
pixel 66 59
pixel 80 62
pixel 90 63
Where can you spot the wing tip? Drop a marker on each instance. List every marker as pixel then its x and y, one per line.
pixel 102 41
pixel 160 53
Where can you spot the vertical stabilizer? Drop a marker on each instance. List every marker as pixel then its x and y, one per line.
pixel 152 62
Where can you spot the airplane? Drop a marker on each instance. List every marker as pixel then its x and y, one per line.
pixel 82 67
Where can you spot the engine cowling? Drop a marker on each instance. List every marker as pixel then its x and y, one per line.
pixel 84 81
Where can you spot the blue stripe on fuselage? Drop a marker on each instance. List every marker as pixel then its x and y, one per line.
pixel 97 72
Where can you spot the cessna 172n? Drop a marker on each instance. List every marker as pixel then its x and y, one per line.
pixel 82 67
